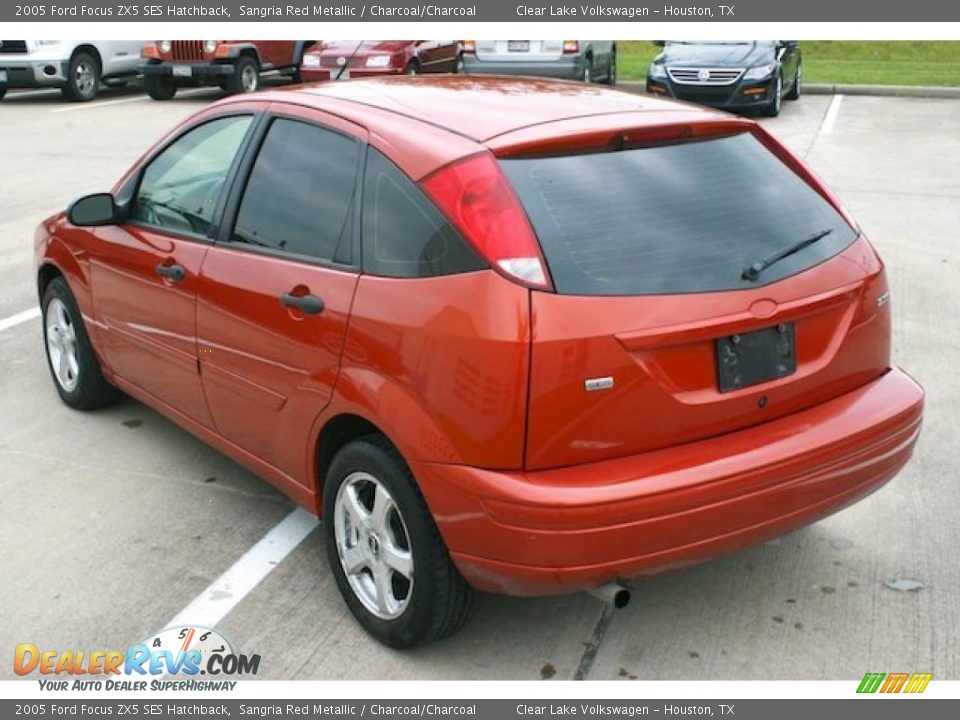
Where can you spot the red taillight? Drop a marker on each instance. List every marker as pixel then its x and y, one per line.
pixel 571 47
pixel 480 203
pixel 470 46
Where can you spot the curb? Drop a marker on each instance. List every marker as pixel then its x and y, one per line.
pixel 918 91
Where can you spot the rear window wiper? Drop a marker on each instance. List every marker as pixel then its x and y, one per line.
pixel 752 271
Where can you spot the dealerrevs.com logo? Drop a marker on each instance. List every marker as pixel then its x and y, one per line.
pixel 180 658
pixel 912 683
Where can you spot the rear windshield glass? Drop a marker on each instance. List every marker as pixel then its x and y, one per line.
pixel 674 218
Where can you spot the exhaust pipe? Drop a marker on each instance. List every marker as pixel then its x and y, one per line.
pixel 612 593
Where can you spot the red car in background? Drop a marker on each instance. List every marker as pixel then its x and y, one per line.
pixel 233 65
pixel 342 60
pixel 514 335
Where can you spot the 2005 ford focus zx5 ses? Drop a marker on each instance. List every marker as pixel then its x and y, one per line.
pixel 518 336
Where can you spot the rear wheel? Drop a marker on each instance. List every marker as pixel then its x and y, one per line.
pixel 386 554
pixel 587 74
pixel 797 88
pixel 83 78
pixel 612 71
pixel 159 87
pixel 70 357
pixel 245 78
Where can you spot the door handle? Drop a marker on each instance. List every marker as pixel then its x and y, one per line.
pixel 307 304
pixel 174 273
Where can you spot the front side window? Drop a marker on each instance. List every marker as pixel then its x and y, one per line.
pixel 300 193
pixel 181 186
pixel 404 235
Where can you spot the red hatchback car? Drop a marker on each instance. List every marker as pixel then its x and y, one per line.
pixel 520 336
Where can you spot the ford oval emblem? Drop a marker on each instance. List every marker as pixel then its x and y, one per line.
pixel 703 75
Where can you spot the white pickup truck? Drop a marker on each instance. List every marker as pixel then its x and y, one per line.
pixel 78 68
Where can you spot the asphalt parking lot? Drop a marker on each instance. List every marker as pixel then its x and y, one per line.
pixel 113 522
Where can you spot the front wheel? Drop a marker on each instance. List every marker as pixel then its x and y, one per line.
pixel 159 87
pixel 772 109
pixel 413 68
pixel 83 78
pixel 70 357
pixel 245 78
pixel 385 551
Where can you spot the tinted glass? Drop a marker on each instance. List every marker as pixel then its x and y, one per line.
pixel 404 235
pixel 672 219
pixel 180 188
pixel 300 191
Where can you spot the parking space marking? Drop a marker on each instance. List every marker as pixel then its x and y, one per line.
pixel 19 318
pixel 830 119
pixel 212 605
pixel 122 101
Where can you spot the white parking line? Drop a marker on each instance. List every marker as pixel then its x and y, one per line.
pixel 212 605
pixel 121 101
pixel 19 318
pixel 830 119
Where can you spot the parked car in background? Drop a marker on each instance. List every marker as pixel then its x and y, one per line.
pixel 342 60
pixel 586 60
pixel 78 67
pixel 506 334
pixel 234 65
pixel 730 75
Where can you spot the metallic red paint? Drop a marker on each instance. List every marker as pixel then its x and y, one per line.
pixel 536 486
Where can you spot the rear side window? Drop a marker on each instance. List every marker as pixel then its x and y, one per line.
pixel 673 219
pixel 180 187
pixel 300 192
pixel 404 235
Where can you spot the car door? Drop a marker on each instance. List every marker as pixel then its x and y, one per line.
pixel 144 276
pixel 275 291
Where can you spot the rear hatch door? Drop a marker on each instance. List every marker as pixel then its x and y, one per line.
pixel 655 335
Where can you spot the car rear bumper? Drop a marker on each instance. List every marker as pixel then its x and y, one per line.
pixel 573 528
pixel 566 67
pixel 739 95
pixel 32 73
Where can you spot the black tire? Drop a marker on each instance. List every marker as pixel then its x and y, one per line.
pixel 245 78
pixel 3 91
pixel 91 390
pixel 795 91
pixel 83 78
pixel 458 67
pixel 439 600
pixel 159 87
pixel 612 71
pixel 413 68
pixel 586 75
pixel 772 109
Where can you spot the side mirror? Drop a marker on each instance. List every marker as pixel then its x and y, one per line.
pixel 94 210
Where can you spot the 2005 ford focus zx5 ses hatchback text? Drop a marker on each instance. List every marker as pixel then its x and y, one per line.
pixel 519 336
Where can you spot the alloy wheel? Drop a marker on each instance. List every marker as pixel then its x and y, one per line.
pixel 62 345
pixel 373 545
